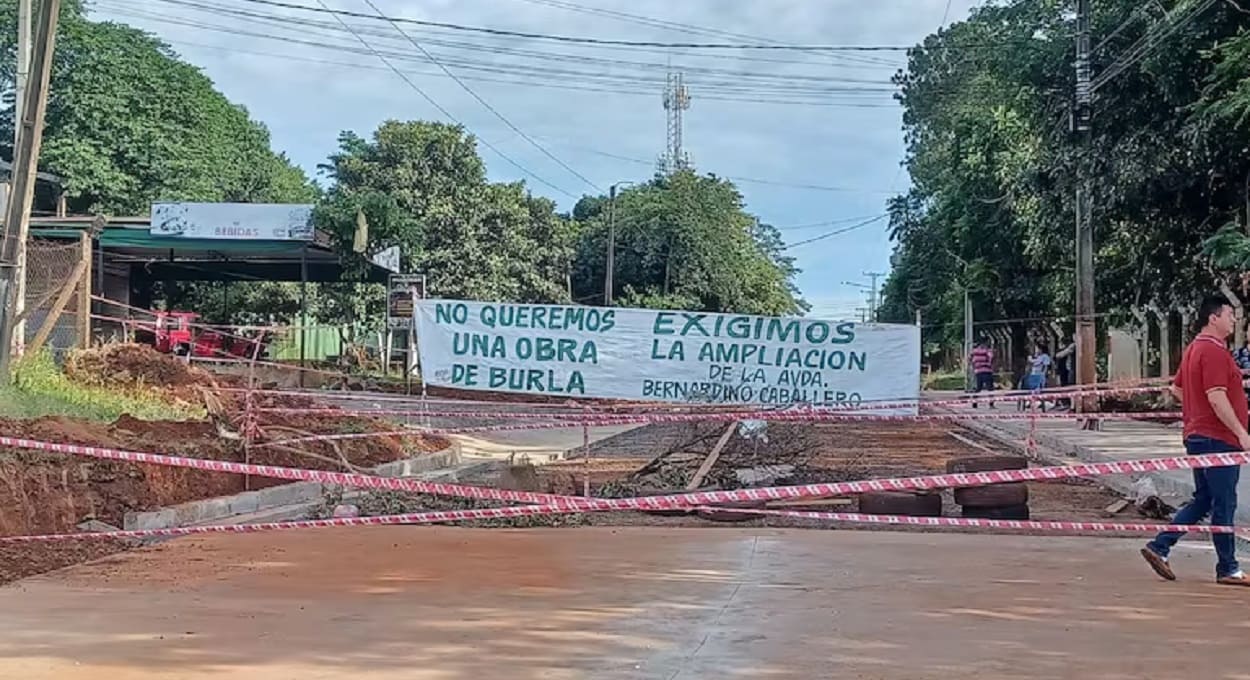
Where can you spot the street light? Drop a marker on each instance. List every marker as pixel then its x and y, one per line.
pixel 607 277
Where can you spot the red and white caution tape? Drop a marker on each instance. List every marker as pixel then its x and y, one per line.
pixel 630 420
pixel 573 406
pixel 968 522
pixel 434 517
pixel 614 409
pixel 558 420
pixel 666 502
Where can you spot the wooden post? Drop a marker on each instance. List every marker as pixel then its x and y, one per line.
pixel 25 165
pixel 84 292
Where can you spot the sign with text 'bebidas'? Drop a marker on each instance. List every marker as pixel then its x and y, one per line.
pixel 660 355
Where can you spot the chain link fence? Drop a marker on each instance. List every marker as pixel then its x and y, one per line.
pixel 51 265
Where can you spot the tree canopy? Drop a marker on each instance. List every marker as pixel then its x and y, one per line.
pixel 422 186
pixel 684 241
pixel 994 163
pixel 129 123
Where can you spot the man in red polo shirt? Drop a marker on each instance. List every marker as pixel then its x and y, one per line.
pixel 1214 412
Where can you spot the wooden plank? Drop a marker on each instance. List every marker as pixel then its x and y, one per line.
pixel 712 457
pixel 62 300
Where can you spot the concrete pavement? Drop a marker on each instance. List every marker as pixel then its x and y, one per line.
pixel 429 603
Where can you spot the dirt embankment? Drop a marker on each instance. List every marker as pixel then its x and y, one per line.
pixel 46 493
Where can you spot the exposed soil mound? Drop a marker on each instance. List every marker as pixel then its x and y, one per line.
pixel 133 366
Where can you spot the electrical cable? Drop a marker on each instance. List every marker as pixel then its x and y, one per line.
pixel 714 87
pixel 1148 44
pixel 836 232
pixel 449 115
pixel 504 119
pixel 605 41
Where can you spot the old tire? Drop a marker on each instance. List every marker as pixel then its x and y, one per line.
pixel 993 496
pixel 715 515
pixel 1011 512
pixel 986 464
pixel 901 503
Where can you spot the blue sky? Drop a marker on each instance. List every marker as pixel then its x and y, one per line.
pixel 309 81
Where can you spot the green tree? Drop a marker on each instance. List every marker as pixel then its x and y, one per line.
pixel 994 165
pixel 684 241
pixel 422 186
pixel 129 123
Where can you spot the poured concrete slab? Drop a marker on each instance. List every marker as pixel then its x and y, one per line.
pixel 425 603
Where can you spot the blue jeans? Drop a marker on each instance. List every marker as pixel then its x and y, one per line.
pixel 1215 494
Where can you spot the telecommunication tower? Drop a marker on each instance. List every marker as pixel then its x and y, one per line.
pixel 676 100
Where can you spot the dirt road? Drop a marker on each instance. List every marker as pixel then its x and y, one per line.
pixel 453 604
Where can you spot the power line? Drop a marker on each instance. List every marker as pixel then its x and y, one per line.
pixel 504 119
pixel 836 232
pixel 605 41
pixel 727 92
pixel 448 114
pixel 741 83
pixel 736 178
pixel 738 86
pixel 688 28
pixel 827 223
pixel 1149 43
pixel 288 19
pixel 737 75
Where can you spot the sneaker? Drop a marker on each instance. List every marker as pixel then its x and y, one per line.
pixel 1160 564
pixel 1237 578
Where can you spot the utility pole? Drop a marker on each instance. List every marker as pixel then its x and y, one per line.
pixel 23 64
pixel 967 340
pixel 25 165
pixel 607 277
pixel 873 302
pixel 21 77
pixel 608 282
pixel 1086 338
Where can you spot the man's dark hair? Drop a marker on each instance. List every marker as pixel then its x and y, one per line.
pixel 1043 348
pixel 1211 306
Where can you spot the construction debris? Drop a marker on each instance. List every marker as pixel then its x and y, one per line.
pixel 1118 507
pixel 763 475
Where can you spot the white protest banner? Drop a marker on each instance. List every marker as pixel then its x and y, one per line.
pixel 673 356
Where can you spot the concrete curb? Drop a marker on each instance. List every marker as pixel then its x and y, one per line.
pixel 212 510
